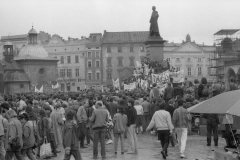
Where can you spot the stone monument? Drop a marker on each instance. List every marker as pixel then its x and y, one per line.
pixel 155 42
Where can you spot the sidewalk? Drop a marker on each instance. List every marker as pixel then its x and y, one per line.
pixel 149 149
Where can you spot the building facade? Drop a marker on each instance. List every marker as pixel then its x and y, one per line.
pixel 29 67
pixel 192 58
pixel 79 65
pixel 121 51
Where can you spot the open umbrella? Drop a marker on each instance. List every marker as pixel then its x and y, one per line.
pixel 225 103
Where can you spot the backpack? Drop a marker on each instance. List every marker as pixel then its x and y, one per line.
pixel 15 143
pixel 205 91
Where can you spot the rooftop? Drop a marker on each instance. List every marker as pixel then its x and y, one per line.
pixel 125 37
pixel 226 32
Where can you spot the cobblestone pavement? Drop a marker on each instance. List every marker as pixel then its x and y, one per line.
pixel 149 149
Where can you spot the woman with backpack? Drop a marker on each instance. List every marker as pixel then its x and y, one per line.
pixel 14 140
pixel 28 136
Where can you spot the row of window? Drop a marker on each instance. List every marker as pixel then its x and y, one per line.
pixel 188 59
pixel 68 72
pixel 120 49
pixel 120 61
pixel 97 64
pixel 69 59
pixel 90 76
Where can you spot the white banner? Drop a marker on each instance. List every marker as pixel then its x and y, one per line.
pixel 130 86
pixel 160 78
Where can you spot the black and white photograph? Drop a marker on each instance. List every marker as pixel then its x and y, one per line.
pixel 119 80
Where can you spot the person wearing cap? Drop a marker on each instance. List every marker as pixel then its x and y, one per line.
pixel 99 120
pixel 14 130
pixel 28 136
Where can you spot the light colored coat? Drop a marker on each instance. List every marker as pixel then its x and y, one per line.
pixel 57 123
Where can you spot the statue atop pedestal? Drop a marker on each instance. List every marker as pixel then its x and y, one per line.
pixel 154 31
pixel 154 43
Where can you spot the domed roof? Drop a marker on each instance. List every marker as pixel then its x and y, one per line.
pixel 32 31
pixel 35 51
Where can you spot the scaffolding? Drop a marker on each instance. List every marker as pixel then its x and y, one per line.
pixel 227 45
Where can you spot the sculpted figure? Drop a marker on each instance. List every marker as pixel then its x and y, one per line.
pixel 154 32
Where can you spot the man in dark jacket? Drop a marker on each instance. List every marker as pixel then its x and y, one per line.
pixel 99 120
pixel 70 138
pixel 212 128
pixel 132 115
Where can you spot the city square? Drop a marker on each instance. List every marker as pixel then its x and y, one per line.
pixel 102 79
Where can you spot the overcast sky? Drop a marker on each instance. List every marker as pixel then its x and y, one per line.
pixel 76 18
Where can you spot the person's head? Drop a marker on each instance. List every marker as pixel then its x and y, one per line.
pixel 180 102
pixel 131 102
pixel 154 85
pixel 196 81
pixel 204 80
pixel 69 115
pixel 23 118
pixel 120 110
pixel 153 8
pixel 161 105
pixel 4 107
pixel 10 114
pixel 99 104
pixel 136 102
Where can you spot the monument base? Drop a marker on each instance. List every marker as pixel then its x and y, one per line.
pixel 154 47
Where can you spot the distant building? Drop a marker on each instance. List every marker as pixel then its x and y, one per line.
pixel 225 65
pixel 93 61
pixel 28 68
pixel 120 51
pixel 79 63
pixel 192 58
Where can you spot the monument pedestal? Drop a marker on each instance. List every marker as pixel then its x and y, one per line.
pixel 154 47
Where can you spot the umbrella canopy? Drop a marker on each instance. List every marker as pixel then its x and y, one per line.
pixel 225 103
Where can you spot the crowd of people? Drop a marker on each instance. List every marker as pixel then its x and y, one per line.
pixel 70 121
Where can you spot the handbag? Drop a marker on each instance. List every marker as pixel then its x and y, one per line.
pixel 15 143
pixel 45 149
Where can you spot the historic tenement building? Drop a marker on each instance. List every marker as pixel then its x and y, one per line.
pixel 121 50
pixel 79 63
